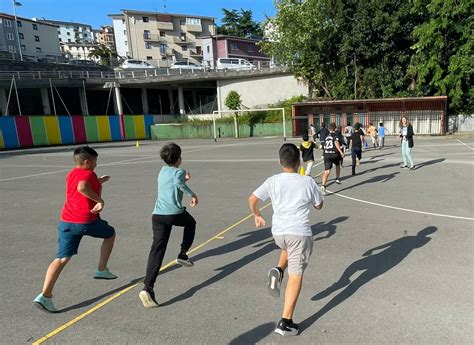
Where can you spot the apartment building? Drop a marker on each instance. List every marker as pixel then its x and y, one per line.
pixel 106 36
pixel 223 46
pixel 37 41
pixel 161 36
pixel 70 32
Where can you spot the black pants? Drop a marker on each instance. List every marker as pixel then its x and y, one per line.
pixel 356 152
pixel 161 234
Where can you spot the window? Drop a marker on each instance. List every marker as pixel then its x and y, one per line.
pixel 208 49
pixel 124 32
pixel 85 35
pixel 193 21
pixel 163 49
pixel 69 40
pixel 182 22
pixel 10 36
pixel 37 38
pixel 234 46
pixel 146 34
pixel 123 21
pixel 68 33
pixel 162 34
pixel 38 49
pixel 11 49
pixel 35 26
pixel 126 43
pixel 8 23
pixel 148 45
pixel 149 57
pixel 60 39
pixel 184 48
pixel 23 47
pixel 18 23
pixel 250 48
pixel 146 19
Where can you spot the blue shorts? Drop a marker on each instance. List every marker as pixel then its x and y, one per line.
pixel 70 235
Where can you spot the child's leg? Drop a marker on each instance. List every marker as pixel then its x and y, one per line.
pixel 283 261
pixel 338 170
pixel 309 166
pixel 292 293
pixel 408 155
pixel 404 156
pixel 105 251
pixel 189 223
pixel 161 235
pixel 353 153
pixel 52 274
pixel 325 177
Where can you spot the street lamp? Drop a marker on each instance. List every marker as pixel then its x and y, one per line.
pixel 15 4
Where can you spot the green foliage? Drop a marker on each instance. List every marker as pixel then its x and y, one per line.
pixel 103 53
pixel 233 101
pixel 347 49
pixel 240 24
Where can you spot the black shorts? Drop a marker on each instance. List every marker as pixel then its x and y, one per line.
pixel 328 162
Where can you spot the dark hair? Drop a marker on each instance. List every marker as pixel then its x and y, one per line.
pixel 357 126
pixel 305 137
pixel 83 153
pixel 323 124
pixel 332 126
pixel 381 124
pixel 170 153
pixel 371 123
pixel 289 155
pixel 348 123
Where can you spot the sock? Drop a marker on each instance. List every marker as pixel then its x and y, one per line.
pixel 287 320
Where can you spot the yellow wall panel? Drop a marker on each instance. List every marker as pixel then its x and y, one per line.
pixel 103 126
pixel 51 124
pixel 140 126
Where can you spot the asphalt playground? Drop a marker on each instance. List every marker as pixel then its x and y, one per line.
pixel 392 262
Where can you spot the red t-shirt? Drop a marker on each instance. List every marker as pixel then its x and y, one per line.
pixel 77 208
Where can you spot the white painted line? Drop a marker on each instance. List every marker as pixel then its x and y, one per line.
pixel 465 144
pixel 401 209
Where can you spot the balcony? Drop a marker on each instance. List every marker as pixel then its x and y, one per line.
pixel 164 25
pixel 179 40
pixel 153 38
pixel 195 53
pixel 194 28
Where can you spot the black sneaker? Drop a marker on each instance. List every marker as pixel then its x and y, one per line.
pixel 147 296
pixel 275 276
pixel 184 261
pixel 285 328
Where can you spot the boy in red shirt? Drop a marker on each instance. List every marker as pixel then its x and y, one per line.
pixel 79 217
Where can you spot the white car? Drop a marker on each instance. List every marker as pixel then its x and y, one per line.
pixel 139 64
pixel 185 65
pixel 234 64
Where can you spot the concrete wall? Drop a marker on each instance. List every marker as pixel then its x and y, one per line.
pixel 259 92
pixel 121 42
pixel 461 123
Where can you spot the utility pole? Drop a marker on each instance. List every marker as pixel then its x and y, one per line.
pixel 15 4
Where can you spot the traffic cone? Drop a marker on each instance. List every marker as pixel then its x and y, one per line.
pixel 301 171
pixel 137 144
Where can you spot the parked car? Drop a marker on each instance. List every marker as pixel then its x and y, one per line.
pixel 131 63
pixel 235 64
pixel 185 65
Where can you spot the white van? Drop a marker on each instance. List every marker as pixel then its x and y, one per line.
pixel 235 64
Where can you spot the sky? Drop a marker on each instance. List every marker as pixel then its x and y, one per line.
pixel 94 12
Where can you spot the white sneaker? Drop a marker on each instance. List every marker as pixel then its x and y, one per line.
pixel 323 190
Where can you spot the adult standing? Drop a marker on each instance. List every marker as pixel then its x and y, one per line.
pixel 406 135
pixel 312 132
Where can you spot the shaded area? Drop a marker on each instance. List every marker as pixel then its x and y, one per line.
pixel 431 162
pixel 375 179
pixel 254 335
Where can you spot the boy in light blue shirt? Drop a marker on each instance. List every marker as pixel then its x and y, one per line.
pixel 169 211
pixel 381 132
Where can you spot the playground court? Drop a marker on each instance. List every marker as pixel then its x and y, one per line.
pixel 398 243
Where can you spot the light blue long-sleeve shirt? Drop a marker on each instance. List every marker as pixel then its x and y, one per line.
pixel 171 186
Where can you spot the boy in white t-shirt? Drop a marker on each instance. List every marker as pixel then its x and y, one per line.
pixel 293 196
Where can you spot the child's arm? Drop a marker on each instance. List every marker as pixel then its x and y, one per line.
pixel 85 189
pixel 338 147
pixel 253 203
pixel 181 184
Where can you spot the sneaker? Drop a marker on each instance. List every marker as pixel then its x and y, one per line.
pixel 45 303
pixel 275 277
pixel 338 181
pixel 285 328
pixel 147 296
pixel 403 166
pixel 323 190
pixel 184 261
pixel 412 167
pixel 105 274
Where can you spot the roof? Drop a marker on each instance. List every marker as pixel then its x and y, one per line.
pixel 377 100
pixel 125 11
pixel 59 22
pixel 10 16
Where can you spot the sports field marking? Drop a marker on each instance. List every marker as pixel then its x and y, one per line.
pixel 399 208
pixel 465 144
pixel 68 324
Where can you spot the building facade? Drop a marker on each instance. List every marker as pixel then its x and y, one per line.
pixel 106 36
pixel 223 46
pixel 70 32
pixel 37 41
pixel 161 37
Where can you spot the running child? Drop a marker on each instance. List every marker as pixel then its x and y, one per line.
pixel 293 196
pixel 307 148
pixel 356 140
pixel 169 211
pixel 333 154
pixel 79 217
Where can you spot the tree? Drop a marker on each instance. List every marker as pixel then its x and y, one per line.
pixel 239 24
pixel 104 53
pixel 443 62
pixel 233 101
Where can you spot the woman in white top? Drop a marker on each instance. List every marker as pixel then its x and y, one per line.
pixel 406 135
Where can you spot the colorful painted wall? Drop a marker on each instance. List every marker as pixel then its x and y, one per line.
pixel 29 131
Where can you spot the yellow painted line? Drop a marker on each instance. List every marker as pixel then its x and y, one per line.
pixel 120 293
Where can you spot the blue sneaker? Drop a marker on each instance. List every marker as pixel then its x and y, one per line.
pixel 105 274
pixel 45 303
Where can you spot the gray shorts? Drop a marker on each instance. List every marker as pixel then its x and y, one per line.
pixel 299 251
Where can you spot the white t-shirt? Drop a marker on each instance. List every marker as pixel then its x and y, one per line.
pixel 293 197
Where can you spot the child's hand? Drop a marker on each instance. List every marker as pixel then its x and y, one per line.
pixel 259 221
pixel 104 179
pixel 194 201
pixel 187 177
pixel 98 207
